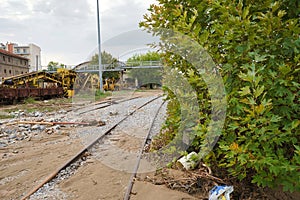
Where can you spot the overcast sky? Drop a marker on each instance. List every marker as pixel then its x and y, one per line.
pixel 66 30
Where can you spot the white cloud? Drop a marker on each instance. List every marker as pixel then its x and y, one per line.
pixel 66 30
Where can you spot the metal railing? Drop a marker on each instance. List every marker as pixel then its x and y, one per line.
pixel 143 63
pixel 120 66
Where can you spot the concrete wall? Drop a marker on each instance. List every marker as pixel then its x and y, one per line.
pixel 33 53
pixel 11 65
pixel 35 57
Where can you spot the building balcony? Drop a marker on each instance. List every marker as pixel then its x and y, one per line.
pixel 22 53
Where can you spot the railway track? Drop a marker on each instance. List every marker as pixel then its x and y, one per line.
pixel 81 155
pixel 137 164
pixel 100 105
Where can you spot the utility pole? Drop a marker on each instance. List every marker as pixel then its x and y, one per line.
pixel 99 49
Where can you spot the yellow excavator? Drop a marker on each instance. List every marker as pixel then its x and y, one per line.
pixel 110 85
pixel 88 81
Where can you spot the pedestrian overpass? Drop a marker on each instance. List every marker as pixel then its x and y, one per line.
pixel 119 66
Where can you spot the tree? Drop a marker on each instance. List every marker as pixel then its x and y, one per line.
pixel 109 62
pixel 145 76
pixel 53 66
pixel 256 45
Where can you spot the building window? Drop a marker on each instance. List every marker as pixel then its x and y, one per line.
pixel 8 59
pixel 4 71
pixel 18 50
pixel 21 72
pixel 9 71
pixel 3 58
pixel 24 50
pixel 21 62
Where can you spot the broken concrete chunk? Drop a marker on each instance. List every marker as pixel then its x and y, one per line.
pixel 35 127
pixel 101 123
pixel 111 113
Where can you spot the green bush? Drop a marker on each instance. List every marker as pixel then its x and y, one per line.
pixel 256 44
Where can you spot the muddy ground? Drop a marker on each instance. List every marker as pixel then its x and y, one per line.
pixel 26 162
pixel 29 160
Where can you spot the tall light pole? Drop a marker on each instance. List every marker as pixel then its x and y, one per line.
pixel 99 49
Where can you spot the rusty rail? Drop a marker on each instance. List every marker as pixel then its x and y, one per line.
pixel 136 167
pixel 82 151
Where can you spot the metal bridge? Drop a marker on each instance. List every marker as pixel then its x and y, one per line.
pixel 120 66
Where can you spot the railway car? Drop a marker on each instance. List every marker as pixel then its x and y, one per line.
pixel 38 84
pixel 12 95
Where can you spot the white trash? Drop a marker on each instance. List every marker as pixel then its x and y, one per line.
pixel 187 162
pixel 220 193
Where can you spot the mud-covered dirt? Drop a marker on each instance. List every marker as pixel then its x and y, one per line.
pixel 28 160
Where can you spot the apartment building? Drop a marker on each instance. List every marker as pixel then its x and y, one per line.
pixel 12 64
pixel 32 52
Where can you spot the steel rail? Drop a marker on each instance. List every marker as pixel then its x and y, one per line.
pixel 136 167
pixel 108 103
pixel 84 150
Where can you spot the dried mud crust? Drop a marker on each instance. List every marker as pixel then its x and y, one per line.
pixel 24 164
pixel 198 183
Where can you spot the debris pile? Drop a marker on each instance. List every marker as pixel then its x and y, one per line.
pixel 26 125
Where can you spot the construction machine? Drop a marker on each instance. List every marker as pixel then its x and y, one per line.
pixel 39 84
pixel 110 85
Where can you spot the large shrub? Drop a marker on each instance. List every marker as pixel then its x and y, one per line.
pixel 256 45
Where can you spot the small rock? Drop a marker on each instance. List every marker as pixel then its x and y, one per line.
pixel 56 127
pixel 27 125
pixel 35 127
pixel 111 113
pixel 12 136
pixel 8 131
pixel 62 112
pixel 2 145
pixel 38 114
pixel 22 129
pixel 101 123
pixel 49 131
pixel 51 120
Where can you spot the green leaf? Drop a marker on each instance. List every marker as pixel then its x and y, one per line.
pixel 256 49
pixel 245 12
pixel 285 69
pixel 259 91
pixel 245 91
pixel 295 123
pixel 246 77
pixel 281 13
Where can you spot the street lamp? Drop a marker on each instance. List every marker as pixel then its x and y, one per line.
pixel 99 49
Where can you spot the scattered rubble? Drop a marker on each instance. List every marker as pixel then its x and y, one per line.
pixel 28 125
pixel 25 125
pixel 101 123
pixel 114 112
